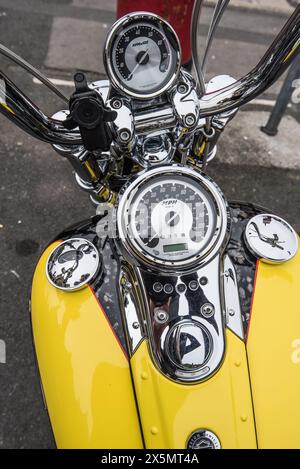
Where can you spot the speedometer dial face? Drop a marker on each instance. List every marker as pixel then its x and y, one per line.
pixel 142 55
pixel 172 219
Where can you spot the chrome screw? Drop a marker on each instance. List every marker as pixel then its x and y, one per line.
pixel 116 104
pixel 190 120
pixel 182 88
pixel 207 310
pixel 124 135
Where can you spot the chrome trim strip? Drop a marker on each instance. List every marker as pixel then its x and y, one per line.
pixel 231 298
pixel 129 303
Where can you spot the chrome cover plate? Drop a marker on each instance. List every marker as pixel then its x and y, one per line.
pixel 187 346
pixel 73 264
pixel 203 439
pixel 271 239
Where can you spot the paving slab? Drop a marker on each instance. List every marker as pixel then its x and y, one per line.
pixel 243 143
pixel 108 5
pixel 76 44
pixel 269 6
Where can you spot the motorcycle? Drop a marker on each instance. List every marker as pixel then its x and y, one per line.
pixel 168 320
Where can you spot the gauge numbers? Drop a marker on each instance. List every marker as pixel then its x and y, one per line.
pixel 142 55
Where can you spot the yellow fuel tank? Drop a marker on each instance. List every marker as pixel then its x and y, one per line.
pixel 98 397
pixel 273 349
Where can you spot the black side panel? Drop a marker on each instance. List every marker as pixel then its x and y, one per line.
pixel 244 262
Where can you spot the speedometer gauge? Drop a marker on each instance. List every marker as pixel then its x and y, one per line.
pixel 172 216
pixel 142 55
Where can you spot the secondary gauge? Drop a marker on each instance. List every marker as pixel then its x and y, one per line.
pixel 172 216
pixel 271 239
pixel 142 55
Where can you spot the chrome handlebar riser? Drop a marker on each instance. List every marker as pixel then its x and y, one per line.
pixel 186 102
pixel 123 126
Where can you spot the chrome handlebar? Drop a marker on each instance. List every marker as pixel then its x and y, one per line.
pixel 15 105
pixel 278 57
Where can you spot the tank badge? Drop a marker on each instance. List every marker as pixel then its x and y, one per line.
pixel 271 239
pixel 73 264
pixel 188 345
pixel 203 439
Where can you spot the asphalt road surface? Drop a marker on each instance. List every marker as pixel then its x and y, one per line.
pixel 38 195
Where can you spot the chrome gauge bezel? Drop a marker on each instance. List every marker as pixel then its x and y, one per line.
pixel 123 23
pixel 132 248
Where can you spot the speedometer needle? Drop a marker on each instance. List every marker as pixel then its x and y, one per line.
pixel 153 237
pixel 138 64
pixel 169 222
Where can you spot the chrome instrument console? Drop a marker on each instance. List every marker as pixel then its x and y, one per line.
pixel 172 228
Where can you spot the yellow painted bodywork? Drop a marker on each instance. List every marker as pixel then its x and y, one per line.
pixel 85 374
pixel 88 383
pixel 170 412
pixel 273 348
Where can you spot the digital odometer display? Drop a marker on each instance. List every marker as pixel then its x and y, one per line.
pixel 144 56
pixel 175 247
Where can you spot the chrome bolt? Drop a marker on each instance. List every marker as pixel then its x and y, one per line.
pixel 135 325
pixel 182 88
pixel 190 120
pixel 116 104
pixel 160 315
pixel 207 310
pixel 124 135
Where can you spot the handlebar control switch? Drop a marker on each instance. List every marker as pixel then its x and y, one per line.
pixel 89 113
